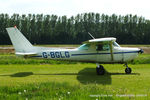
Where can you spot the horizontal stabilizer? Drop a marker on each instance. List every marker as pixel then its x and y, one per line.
pixel 26 55
pixel 23 54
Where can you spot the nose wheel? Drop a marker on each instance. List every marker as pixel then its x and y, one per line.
pixel 128 70
pixel 100 70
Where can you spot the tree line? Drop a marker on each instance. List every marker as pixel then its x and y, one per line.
pixel 53 29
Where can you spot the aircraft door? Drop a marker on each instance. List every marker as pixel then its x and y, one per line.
pixel 103 52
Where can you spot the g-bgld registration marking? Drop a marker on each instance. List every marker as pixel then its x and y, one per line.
pixel 56 54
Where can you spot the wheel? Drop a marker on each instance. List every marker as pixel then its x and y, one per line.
pixel 100 70
pixel 128 70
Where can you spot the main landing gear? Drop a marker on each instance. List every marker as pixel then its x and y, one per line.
pixel 100 69
pixel 128 70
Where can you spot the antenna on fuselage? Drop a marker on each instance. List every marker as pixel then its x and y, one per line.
pixel 91 35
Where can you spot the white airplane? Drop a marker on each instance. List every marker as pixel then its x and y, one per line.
pixel 101 50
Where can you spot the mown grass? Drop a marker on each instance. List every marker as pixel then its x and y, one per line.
pixel 51 91
pixel 73 81
pixel 142 59
pixel 38 79
pixel 12 59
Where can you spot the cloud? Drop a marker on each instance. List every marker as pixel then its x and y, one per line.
pixel 73 7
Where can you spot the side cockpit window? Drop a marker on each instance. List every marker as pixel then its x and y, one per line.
pixel 102 47
pixel 84 47
pixel 99 47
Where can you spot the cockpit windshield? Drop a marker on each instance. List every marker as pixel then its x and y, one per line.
pixel 115 44
pixel 84 47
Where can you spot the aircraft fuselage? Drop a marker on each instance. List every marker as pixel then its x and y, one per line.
pixel 120 55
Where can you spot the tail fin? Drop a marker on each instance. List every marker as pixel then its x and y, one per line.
pixel 20 43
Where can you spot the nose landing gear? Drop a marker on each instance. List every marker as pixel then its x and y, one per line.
pixel 128 70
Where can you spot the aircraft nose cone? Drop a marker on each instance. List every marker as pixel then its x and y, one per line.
pixel 141 51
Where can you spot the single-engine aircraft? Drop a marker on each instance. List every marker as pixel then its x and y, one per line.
pixel 100 50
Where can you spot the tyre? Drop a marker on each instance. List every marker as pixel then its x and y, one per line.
pixel 100 70
pixel 128 70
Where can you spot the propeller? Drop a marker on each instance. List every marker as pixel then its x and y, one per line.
pixel 141 51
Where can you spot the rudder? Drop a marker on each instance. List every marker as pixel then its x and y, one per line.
pixel 20 43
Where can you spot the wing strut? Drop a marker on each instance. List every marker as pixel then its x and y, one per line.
pixel 111 50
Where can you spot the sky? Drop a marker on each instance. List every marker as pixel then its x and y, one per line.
pixel 74 7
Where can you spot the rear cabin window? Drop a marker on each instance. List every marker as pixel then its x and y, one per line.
pixel 102 47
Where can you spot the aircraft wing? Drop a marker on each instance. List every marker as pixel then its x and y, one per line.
pixel 100 40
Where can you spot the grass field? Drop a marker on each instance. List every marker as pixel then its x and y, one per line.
pixel 38 79
pixel 73 81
